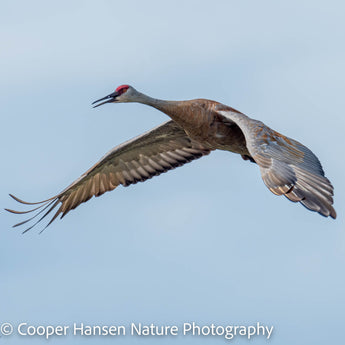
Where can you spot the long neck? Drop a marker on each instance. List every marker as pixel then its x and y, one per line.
pixel 166 107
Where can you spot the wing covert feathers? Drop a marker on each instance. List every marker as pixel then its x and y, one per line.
pixel 150 154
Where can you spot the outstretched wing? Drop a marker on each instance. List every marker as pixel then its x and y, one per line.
pixel 150 154
pixel 287 167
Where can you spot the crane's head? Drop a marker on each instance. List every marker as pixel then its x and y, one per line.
pixel 123 93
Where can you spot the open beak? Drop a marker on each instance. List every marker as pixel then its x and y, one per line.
pixel 107 99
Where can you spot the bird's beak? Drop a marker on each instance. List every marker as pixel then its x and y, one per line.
pixel 109 99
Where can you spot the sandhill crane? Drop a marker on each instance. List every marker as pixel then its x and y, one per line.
pixel 196 128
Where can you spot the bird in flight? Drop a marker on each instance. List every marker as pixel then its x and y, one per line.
pixel 196 128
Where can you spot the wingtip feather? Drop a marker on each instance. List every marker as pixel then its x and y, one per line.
pixel 29 203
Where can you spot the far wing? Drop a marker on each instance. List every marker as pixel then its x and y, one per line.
pixel 150 154
pixel 287 167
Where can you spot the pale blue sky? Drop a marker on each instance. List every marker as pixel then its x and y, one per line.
pixel 206 242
